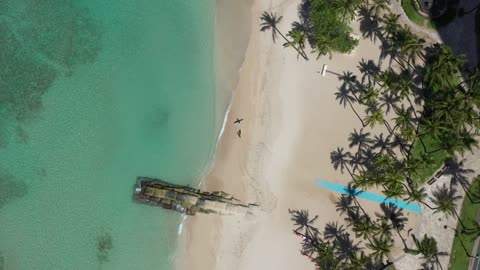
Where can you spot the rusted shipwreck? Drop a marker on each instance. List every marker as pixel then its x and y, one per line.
pixel 186 199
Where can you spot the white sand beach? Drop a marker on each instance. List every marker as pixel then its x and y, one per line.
pixel 291 124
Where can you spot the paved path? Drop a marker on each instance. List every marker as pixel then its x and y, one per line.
pixel 433 224
pixel 458 34
pixel 430 33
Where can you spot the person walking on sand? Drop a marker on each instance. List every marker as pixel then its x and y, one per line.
pixel 239 133
pixel 238 121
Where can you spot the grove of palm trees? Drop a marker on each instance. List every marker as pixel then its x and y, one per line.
pixel 428 103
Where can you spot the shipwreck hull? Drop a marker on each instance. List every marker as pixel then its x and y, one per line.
pixel 185 199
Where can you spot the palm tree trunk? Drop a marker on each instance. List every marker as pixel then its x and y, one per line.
pixel 350 172
pixel 301 52
pixel 414 110
pixel 387 125
pixel 401 237
pixel 458 217
pixel 359 118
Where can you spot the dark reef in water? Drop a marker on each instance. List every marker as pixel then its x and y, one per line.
pixel 104 245
pixel 39 41
pixel 10 189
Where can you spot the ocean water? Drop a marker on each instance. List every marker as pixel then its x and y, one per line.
pixel 92 94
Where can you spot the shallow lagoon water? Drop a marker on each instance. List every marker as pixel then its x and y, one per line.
pixel 100 92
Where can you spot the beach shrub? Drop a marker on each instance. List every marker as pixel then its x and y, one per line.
pixel 329 31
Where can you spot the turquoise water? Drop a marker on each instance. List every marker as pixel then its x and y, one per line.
pixel 92 94
pixel 414 207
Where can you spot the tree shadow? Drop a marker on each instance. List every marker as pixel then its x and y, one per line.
pixel 301 218
pixel 303 13
pixel 369 25
pixel 369 70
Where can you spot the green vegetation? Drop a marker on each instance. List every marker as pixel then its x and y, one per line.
pixel 464 238
pixel 411 9
pixel 324 24
pixel 438 158
pixel 416 142
pixel 330 30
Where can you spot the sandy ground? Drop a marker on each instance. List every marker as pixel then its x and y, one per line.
pixel 291 124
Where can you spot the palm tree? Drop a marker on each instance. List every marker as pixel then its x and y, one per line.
pixel 270 21
pixel 323 46
pixel 359 260
pixel 348 8
pixel 368 96
pixel 378 7
pixel 390 24
pixel 363 227
pixel 298 37
pixel 444 200
pixel 326 256
pixel 383 228
pixel 380 247
pixel 374 116
pixel 414 47
pixel 404 119
pixel 417 194
pixel 303 221
pixel 340 159
pixel 393 189
pixel 427 247
pixel 364 180
pixel 441 67
pixel 434 129
pixel 412 167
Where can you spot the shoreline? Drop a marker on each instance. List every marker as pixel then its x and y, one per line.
pixel 226 88
pixel 288 133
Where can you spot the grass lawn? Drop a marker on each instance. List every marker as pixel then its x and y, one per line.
pixel 411 8
pixel 412 13
pixel 459 259
pixel 438 158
